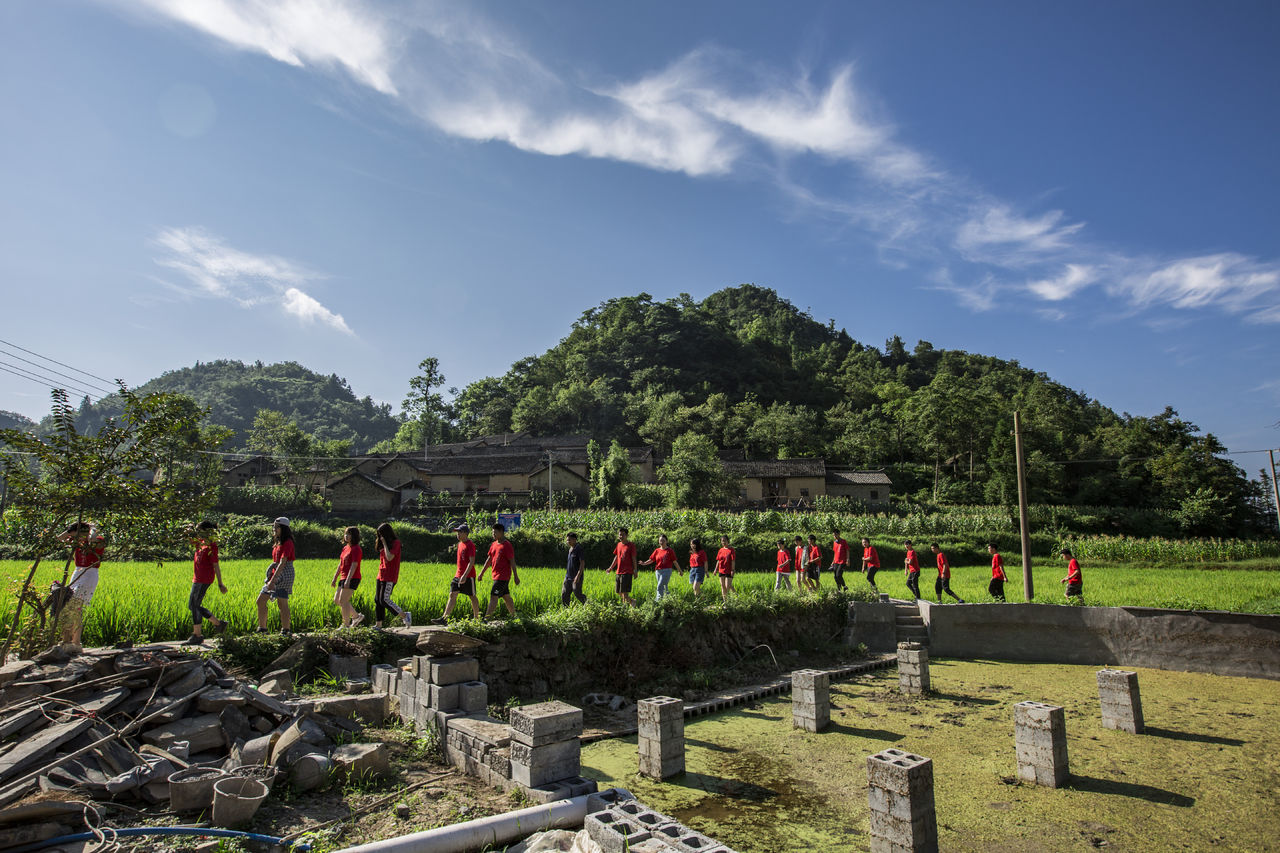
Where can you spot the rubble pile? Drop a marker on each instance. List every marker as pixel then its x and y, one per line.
pixel 116 725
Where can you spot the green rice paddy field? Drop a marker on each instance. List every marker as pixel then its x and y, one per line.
pixel 148 601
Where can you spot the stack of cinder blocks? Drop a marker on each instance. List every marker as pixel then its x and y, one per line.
pixel 448 687
pixel 621 824
pixel 913 669
pixel 660 724
pixel 900 796
pixel 810 699
pixel 481 747
pixel 1040 735
pixel 546 754
pixel 1120 700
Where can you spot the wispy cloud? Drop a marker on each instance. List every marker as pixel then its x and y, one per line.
pixel 714 113
pixel 217 270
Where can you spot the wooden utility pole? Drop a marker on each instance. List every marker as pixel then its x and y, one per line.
pixel 1275 489
pixel 1028 585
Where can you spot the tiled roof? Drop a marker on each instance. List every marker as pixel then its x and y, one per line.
pixel 377 483
pixel 858 478
pixel 777 468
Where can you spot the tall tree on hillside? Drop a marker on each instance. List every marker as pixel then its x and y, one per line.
pixel 608 478
pixel 425 406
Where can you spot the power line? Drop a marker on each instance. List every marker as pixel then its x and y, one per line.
pixel 41 367
pixel 42 380
pixel 55 361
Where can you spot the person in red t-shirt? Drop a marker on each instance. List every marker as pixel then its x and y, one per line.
pixel 664 562
pixel 388 546
pixel 726 565
pixel 280 575
pixel 502 561
pixel 943 583
pixel 912 564
pixel 1074 579
pixel 998 577
pixel 346 578
pixel 870 562
pixel 88 546
pixel 464 579
pixel 207 571
pixel 697 564
pixel 813 563
pixel 624 566
pixel 782 577
pixel 839 559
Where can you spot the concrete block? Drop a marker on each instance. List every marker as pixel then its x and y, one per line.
pixel 344 667
pixel 473 697
pixel 443 697
pixel 363 760
pixel 900 800
pixel 202 733
pixel 661 768
pixel 1040 743
pixel 545 722
pixel 454 669
pixel 547 793
pixel 602 800
pixel 369 707
pixel 1120 700
pixel 685 840
pixel 382 675
pixel 661 749
pixel 538 765
pixel 612 832
pixel 810 679
pixel 487 730
pixel 659 709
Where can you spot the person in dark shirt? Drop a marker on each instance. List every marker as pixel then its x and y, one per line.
pixel 573 571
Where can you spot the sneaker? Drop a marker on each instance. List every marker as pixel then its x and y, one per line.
pixel 263 631
pixel 407 618
pixel 194 640
pixel 221 627
pixel 359 617
pixel 440 621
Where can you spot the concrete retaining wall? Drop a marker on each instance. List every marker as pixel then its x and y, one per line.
pixel 1217 642
pixel 872 623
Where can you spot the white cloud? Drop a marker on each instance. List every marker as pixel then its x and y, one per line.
pixel 217 270
pixel 296 32
pixel 1074 278
pixel 711 113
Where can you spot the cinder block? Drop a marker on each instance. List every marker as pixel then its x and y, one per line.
pixel 537 765
pixel 473 697
pixel 420 666
pixel 443 697
pixel 683 839
pixel 1040 743
pixel 900 799
pixel 661 768
pixel 612 832
pixel 1120 700
pixel 660 749
pixel 659 708
pixel 380 677
pixel 810 679
pixel 343 668
pixel 601 800
pixel 545 722
pixel 454 669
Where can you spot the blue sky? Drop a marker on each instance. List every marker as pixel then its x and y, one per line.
pixel 1088 188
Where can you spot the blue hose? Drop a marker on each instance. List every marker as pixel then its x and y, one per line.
pixel 300 846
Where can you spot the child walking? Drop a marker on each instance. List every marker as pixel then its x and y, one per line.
pixel 912 563
pixel 207 572
pixel 782 578
pixel 279 581
pixel 870 562
pixel 624 565
pixel 347 577
pixel 697 564
pixel 726 564
pixel 998 577
pixel 663 559
pixel 464 579
pixel 388 576
pixel 943 583
pixel 1074 579
pixel 88 546
pixel 502 561
pixel 813 564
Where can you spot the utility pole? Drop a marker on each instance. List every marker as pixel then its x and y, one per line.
pixel 551 500
pixel 1275 489
pixel 1028 585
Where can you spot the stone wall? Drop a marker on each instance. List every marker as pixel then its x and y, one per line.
pixel 1217 642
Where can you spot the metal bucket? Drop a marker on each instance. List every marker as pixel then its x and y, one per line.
pixel 191 790
pixel 236 800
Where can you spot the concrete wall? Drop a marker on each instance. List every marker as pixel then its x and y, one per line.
pixel 359 495
pixel 509 483
pixel 1218 642
pixel 861 493
pixel 872 624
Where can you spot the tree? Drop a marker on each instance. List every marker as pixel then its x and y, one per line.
pixel 693 475
pixel 609 476
pixel 424 405
pixel 75 476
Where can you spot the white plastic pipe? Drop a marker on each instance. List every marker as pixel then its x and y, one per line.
pixel 484 832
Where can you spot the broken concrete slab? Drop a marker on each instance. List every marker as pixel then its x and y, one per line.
pixel 363 760
pixel 201 733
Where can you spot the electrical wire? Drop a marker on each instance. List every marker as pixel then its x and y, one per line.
pixel 44 381
pixel 55 361
pixel 45 369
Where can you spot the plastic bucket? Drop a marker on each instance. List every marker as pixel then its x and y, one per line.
pixel 265 775
pixel 236 800
pixel 191 790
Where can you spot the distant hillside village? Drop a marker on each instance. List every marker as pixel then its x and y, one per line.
pixel 510 468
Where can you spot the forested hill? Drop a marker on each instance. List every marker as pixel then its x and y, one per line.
pixel 323 406
pixel 761 377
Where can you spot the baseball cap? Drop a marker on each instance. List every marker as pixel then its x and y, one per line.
pixel 463 528
pixel 282 521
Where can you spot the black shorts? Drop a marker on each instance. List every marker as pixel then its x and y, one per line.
pixel 499 589
pixel 871 574
pixel 622 584
pixel 463 587
pixel 350 583
pixel 813 572
pixel 1074 589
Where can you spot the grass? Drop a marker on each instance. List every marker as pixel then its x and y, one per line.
pixel 147 601
pixel 1202 777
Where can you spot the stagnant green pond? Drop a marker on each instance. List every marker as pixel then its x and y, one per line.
pixel 1206 775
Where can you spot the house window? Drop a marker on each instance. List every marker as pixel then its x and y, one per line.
pixel 875 494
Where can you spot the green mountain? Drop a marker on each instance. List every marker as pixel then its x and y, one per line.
pixel 13 420
pixel 763 379
pixel 323 406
